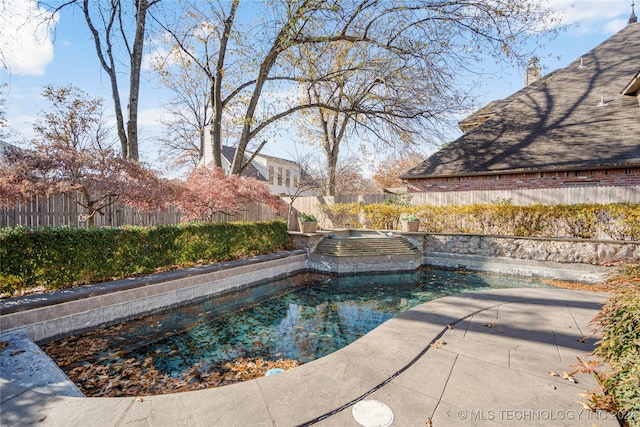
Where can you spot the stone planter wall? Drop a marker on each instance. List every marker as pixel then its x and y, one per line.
pixel 560 259
pixel 569 251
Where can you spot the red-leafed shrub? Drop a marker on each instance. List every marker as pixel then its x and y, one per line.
pixel 208 191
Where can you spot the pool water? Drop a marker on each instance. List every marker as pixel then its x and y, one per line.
pixel 300 318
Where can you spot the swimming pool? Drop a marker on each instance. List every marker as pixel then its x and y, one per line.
pixel 241 335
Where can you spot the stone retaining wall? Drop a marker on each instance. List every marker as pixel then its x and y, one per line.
pixel 594 252
pixel 588 261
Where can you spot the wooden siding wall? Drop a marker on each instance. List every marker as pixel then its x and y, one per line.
pixel 63 211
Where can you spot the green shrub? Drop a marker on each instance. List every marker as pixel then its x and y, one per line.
pixel 63 257
pixel 305 217
pixel 619 350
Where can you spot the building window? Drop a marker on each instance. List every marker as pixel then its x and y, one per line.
pixel 271 179
pixel 279 175
pixel 295 179
pixel 581 184
pixel 287 180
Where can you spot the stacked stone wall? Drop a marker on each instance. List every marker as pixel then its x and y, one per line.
pixel 595 252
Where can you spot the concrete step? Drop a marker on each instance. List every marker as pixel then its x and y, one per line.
pixel 365 247
pixel 365 254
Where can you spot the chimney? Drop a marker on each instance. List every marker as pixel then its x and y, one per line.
pixel 633 18
pixel 533 72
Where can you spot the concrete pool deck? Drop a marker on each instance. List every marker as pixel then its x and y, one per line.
pixel 480 358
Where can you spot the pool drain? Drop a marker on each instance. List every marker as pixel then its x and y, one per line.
pixel 371 413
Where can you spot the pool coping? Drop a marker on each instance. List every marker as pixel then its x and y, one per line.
pixel 50 316
pixel 27 302
pixel 483 354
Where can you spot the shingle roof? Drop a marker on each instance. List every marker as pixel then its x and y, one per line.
pixel 250 172
pixel 556 123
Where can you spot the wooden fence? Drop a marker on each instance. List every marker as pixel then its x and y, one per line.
pixel 550 196
pixel 63 211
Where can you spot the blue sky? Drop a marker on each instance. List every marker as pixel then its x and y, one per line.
pixel 68 56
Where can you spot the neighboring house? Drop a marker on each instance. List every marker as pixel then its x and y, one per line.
pixel 284 177
pixel 577 126
pixel 5 145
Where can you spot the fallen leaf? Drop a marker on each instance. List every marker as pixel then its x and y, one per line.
pixel 15 353
pixel 554 374
pixel 139 399
pixel 449 326
pixel 585 405
pixel 501 331
pixel 489 325
pixel 434 345
pixel 441 342
pixel 429 423
pixel 583 339
pixel 41 419
pixel 569 377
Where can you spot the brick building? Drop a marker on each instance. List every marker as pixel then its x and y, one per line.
pixel 577 126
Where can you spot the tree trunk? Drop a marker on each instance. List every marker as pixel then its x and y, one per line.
pixel 109 68
pixel 134 79
pixel 332 165
pixel 216 87
pixel 216 128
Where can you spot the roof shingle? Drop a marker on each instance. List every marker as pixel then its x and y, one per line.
pixel 556 123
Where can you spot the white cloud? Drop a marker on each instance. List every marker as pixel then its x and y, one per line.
pixel 615 25
pixel 152 116
pixel 155 58
pixel 23 125
pixel 593 16
pixel 26 46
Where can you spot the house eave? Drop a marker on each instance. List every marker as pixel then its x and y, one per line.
pixel 520 171
pixel 633 87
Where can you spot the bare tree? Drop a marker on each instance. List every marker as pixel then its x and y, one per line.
pixel 4 124
pixel 201 46
pixel 189 113
pixel 390 168
pixel 307 183
pixel 351 179
pixel 398 64
pixel 118 26
pixel 403 85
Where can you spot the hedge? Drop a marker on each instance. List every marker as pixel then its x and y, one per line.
pixel 618 221
pixel 61 257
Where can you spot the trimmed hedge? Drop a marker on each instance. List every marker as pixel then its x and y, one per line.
pixel 64 257
pixel 618 221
